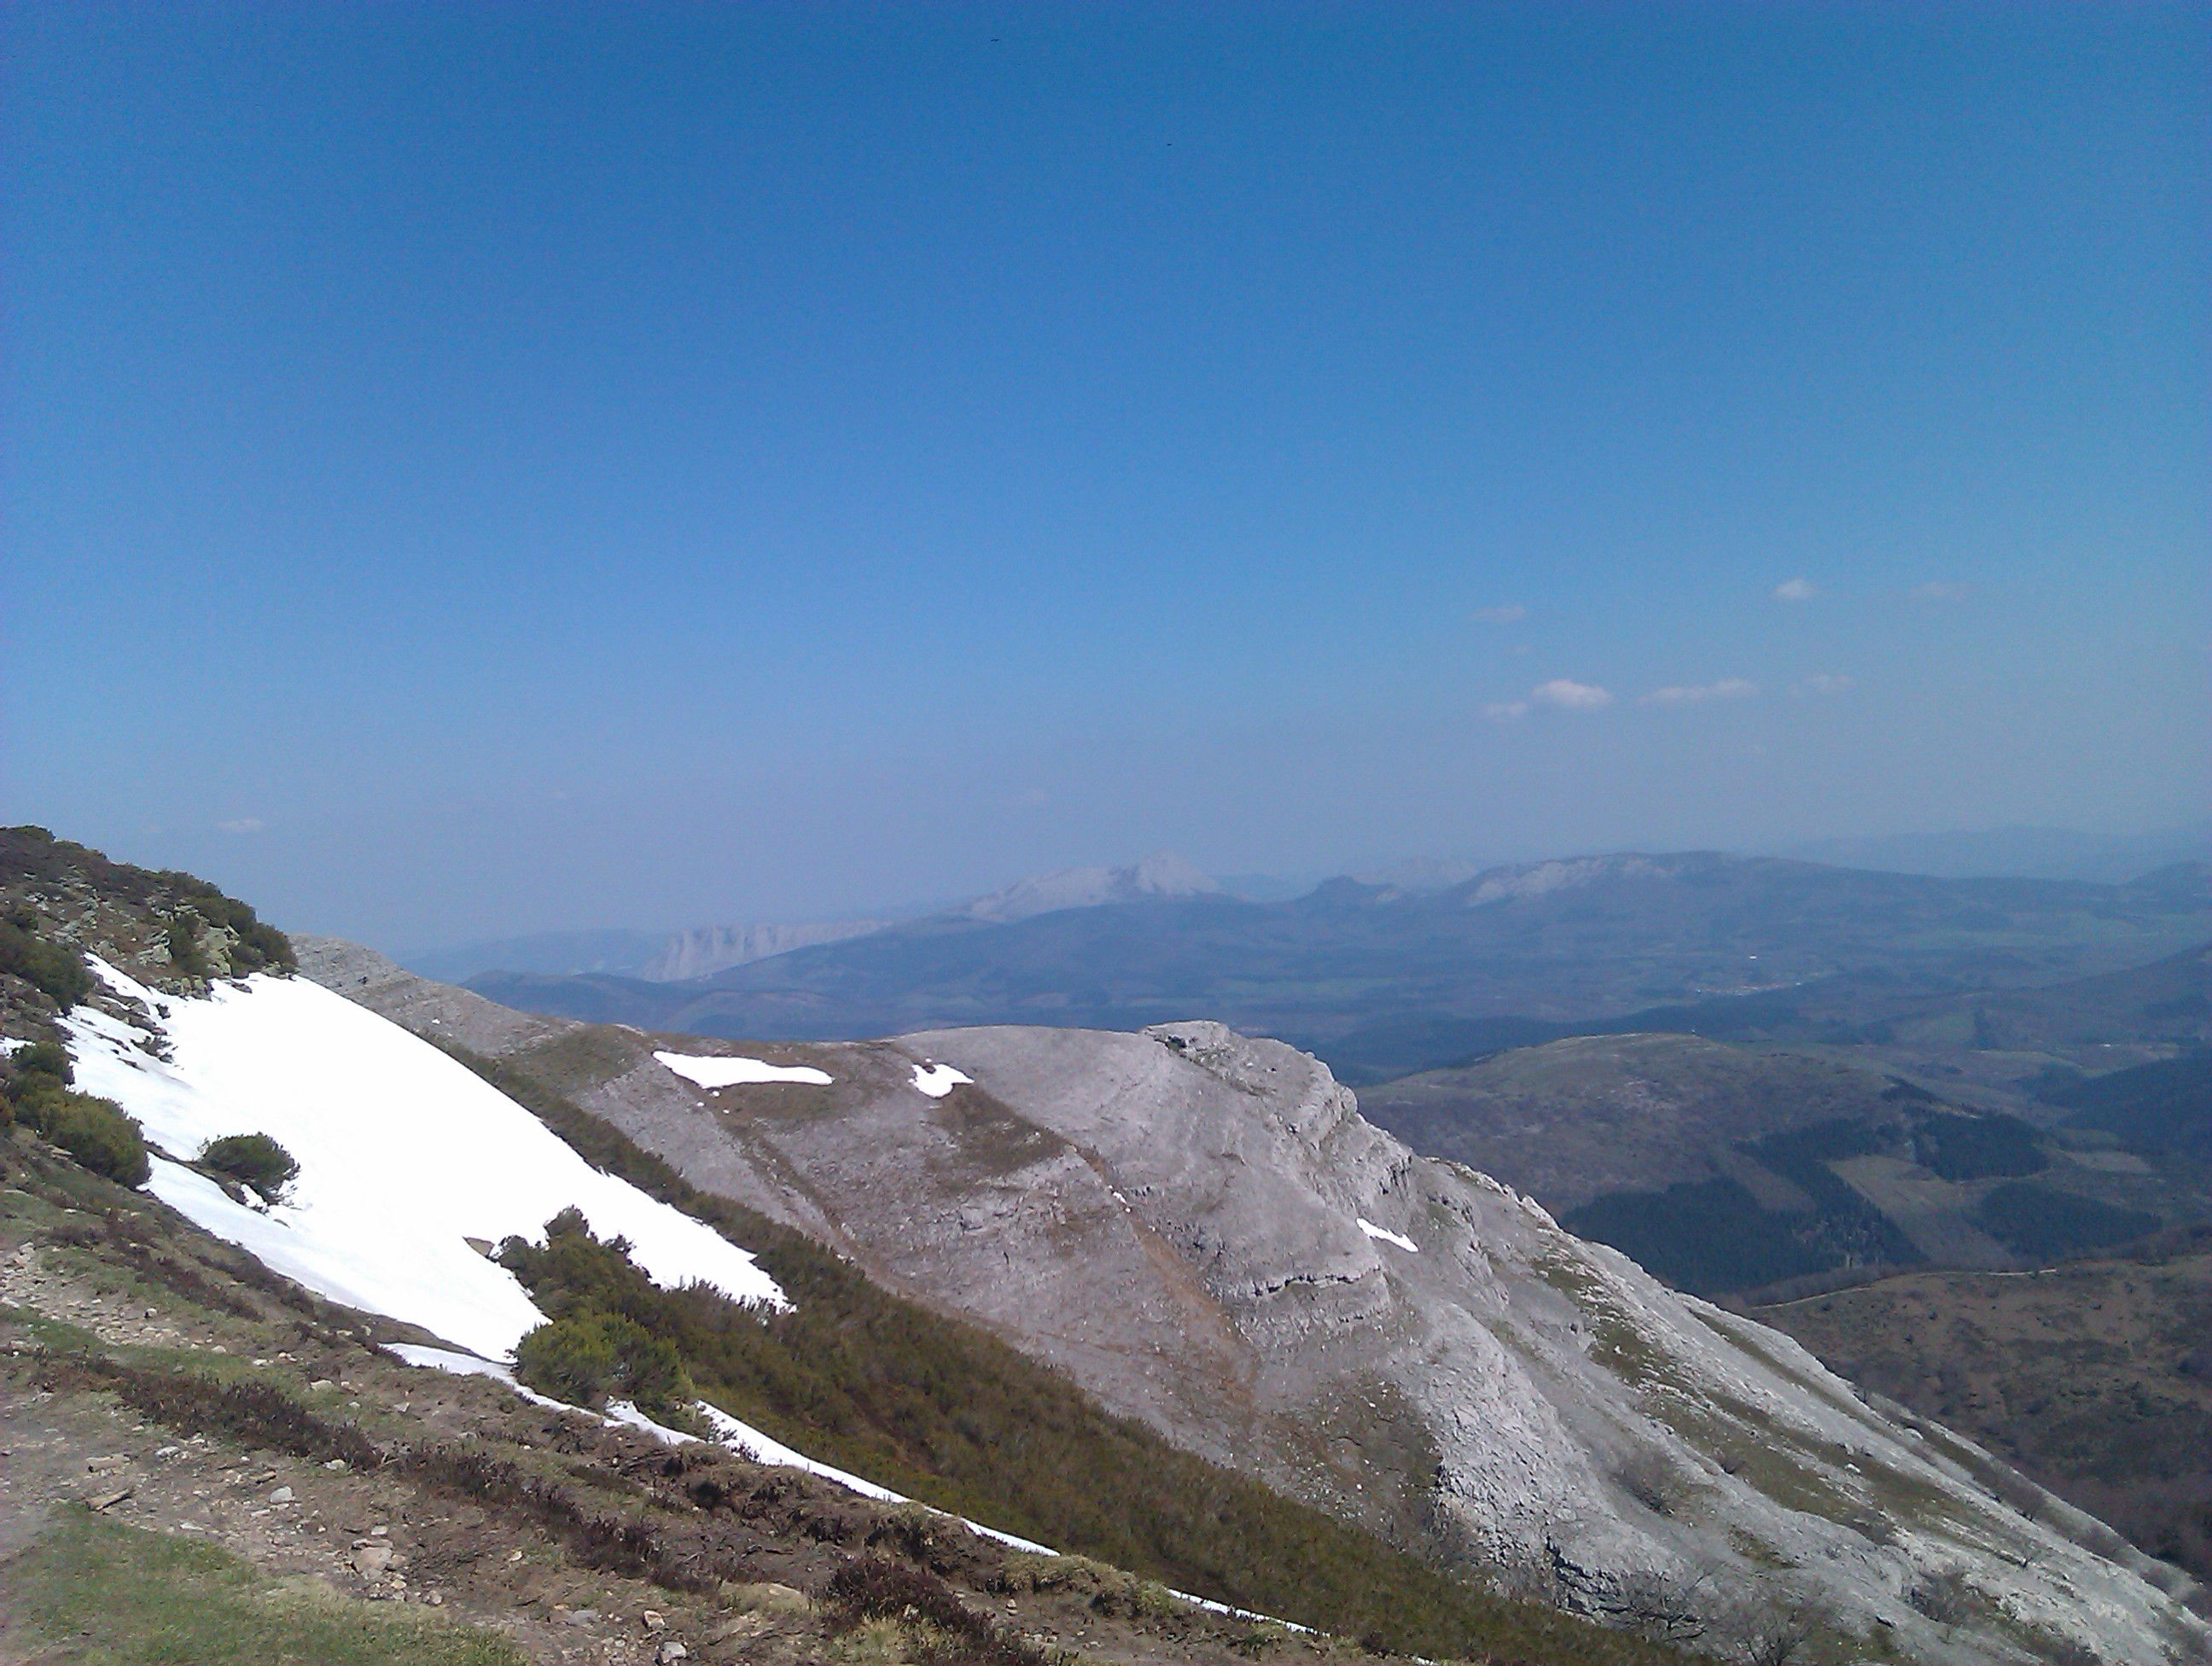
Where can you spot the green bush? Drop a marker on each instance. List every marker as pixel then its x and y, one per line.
pixel 252 1159
pixel 46 1059
pixel 589 1358
pixel 94 1131
pixel 53 968
pixel 571 1359
pixel 182 939
pixel 259 947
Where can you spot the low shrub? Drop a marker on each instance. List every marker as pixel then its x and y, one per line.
pixel 942 1630
pixel 94 1131
pixel 182 939
pixel 48 1059
pixel 254 1160
pixel 259 946
pixel 590 1357
pixel 54 969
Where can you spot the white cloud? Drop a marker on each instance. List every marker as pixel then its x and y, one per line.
pixel 243 825
pixel 1562 693
pixel 1512 613
pixel 1821 684
pixel 1937 590
pixel 1570 695
pixel 1728 688
pixel 1794 590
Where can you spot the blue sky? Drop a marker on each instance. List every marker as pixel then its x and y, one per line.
pixel 473 469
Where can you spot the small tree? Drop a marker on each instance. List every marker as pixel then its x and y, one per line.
pixel 254 1160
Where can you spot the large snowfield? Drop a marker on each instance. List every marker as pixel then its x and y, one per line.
pixel 405 1155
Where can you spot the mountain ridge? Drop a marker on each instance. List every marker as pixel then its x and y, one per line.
pixel 1049 1199
pixel 1380 976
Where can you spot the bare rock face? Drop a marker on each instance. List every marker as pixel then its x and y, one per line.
pixel 1162 874
pixel 1204 1233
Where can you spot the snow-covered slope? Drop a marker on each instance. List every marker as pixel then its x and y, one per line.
pixel 405 1155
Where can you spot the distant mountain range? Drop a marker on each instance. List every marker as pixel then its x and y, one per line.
pixel 675 956
pixel 2023 853
pixel 1380 980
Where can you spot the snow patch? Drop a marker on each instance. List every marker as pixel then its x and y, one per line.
pixel 712 1072
pixel 1387 1236
pixel 405 1155
pixel 749 1442
pixel 468 1364
pixel 938 1080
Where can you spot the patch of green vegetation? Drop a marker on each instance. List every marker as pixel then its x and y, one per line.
pixel 2040 1223
pixel 2165 1105
pixel 1617 1341
pixel 582 1059
pixel 589 1352
pixel 55 970
pixel 1978 1147
pixel 1704 1236
pixel 1749 1444
pixel 55 1335
pixel 254 1160
pixel 118 1595
pixel 1756 1551
pixel 95 1131
pixel 992 1140
pixel 34 856
pixel 1748 1339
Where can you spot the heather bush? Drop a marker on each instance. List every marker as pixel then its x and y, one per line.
pixel 94 1131
pixel 48 1059
pixel 254 1160
pixel 589 1358
pixel 54 969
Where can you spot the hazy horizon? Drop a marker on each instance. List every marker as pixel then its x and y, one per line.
pixel 2013 851
pixel 477 472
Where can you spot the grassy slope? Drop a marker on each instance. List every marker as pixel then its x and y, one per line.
pixel 119 1595
pixel 2094 1377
